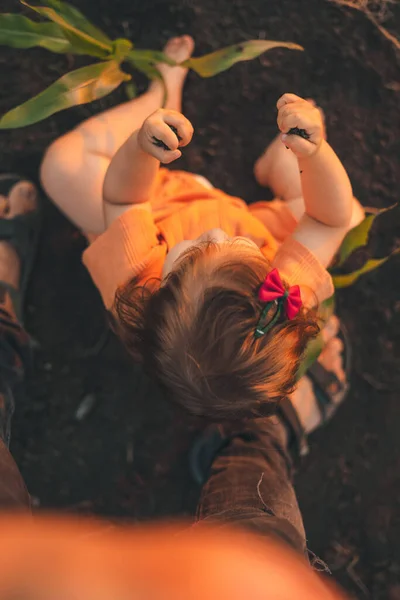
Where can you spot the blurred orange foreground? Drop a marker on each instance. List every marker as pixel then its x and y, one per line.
pixel 46 558
pixel 67 559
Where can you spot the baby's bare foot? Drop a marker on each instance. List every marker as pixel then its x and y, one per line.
pixel 178 49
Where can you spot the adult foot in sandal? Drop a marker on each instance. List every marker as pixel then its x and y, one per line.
pixel 307 398
pixel 18 200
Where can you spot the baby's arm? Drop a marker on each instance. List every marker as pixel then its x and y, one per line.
pixel 327 191
pixel 131 174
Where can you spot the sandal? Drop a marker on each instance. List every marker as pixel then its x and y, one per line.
pixel 22 232
pixel 329 392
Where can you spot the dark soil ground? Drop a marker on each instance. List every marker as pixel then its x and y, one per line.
pixel 127 458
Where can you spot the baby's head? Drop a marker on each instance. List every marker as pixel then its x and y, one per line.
pixel 196 332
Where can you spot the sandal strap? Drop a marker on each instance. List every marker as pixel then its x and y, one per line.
pixel 289 415
pixel 15 299
pixel 18 227
pixel 326 387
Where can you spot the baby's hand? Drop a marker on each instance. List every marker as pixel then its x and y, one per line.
pixel 296 113
pixel 163 132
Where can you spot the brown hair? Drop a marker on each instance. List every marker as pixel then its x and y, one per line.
pixel 196 334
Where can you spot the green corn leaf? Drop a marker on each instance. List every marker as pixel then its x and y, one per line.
pixel 77 87
pixel 81 42
pixel 151 56
pixel 342 281
pixel 130 90
pixel 311 354
pixel 315 347
pixel 358 237
pixel 146 66
pixel 221 60
pixel 77 19
pixel 121 49
pixel 18 31
pixel 326 309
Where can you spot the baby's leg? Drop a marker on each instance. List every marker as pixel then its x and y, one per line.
pixel 278 169
pixel 75 165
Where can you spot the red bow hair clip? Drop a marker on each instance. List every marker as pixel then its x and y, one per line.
pixel 273 291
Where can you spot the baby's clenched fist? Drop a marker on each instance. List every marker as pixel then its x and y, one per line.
pixel 303 117
pixel 163 133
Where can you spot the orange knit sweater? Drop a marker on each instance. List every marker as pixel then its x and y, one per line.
pixel 182 208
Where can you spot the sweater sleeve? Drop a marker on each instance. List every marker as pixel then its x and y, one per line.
pixel 129 248
pixel 299 266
